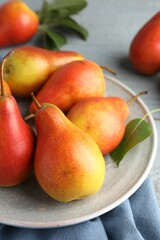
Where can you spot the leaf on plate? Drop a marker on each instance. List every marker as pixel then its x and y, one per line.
pixel 137 130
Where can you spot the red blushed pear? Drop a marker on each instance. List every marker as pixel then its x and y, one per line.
pixel 103 118
pixel 18 23
pixel 29 67
pixel 144 52
pixel 68 164
pixel 17 141
pixel 71 83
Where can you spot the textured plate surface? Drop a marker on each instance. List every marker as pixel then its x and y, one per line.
pixel 28 206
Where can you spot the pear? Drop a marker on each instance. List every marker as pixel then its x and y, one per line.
pixel 71 83
pixel 103 118
pixel 18 23
pixel 144 51
pixel 68 164
pixel 17 142
pixel 29 67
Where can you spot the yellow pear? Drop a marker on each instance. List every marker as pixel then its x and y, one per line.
pixel 29 67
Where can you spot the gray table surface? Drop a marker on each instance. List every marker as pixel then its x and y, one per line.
pixel 112 24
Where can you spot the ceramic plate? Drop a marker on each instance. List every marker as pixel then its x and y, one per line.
pixel 28 206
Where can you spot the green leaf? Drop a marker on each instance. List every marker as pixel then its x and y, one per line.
pixel 137 131
pixel 42 14
pixel 71 6
pixel 55 16
pixel 59 9
pixel 53 40
pixel 74 26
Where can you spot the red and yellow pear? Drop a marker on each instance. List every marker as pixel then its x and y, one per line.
pixel 103 118
pixel 18 23
pixel 17 141
pixel 68 164
pixel 29 67
pixel 71 83
pixel 144 52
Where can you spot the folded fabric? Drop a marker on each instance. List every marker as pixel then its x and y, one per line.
pixel 137 218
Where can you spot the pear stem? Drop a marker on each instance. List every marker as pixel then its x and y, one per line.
pixel 1 71
pixel 2 85
pixel 29 116
pixel 136 96
pixel 108 69
pixel 38 105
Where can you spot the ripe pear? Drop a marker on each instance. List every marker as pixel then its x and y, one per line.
pixel 17 142
pixel 71 83
pixel 144 51
pixel 68 163
pixel 29 67
pixel 103 118
pixel 18 23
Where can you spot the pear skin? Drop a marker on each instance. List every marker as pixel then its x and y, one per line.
pixel 71 83
pixel 144 51
pixel 17 144
pixel 27 69
pixel 17 141
pixel 18 23
pixel 103 118
pixel 68 164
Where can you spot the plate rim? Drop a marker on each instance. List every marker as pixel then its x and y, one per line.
pixel 117 202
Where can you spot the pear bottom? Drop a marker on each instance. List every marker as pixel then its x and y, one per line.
pixel 72 181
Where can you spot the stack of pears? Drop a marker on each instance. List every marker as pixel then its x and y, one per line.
pixel 75 123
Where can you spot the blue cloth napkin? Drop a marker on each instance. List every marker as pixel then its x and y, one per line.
pixel 137 218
